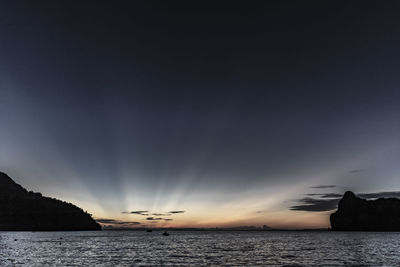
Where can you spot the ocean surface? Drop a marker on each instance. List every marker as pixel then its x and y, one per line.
pixel 199 248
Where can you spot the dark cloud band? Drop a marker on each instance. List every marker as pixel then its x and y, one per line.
pixel 118 222
pixel 177 211
pixel 329 201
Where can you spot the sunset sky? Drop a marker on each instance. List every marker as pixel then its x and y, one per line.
pixel 201 114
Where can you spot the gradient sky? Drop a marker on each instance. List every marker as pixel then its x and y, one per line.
pixel 235 113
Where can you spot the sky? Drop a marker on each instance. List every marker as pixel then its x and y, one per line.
pixel 201 113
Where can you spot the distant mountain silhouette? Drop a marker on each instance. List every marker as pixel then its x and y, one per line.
pixel 21 210
pixel 356 214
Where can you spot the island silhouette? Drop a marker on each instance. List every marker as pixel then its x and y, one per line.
pixel 357 214
pixel 21 210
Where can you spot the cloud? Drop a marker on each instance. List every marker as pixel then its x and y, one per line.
pixel 324 186
pixel 146 212
pixel 112 221
pixel 106 220
pixel 315 205
pixel 329 201
pixel 138 212
pixel 388 194
pixel 176 211
pixel 153 219
pixel 168 220
pixel 327 195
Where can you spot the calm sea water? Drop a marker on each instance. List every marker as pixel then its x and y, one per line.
pixel 196 248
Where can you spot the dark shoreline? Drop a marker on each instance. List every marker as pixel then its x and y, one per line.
pixel 201 230
pixel 219 230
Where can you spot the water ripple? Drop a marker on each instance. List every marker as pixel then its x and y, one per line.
pixel 191 248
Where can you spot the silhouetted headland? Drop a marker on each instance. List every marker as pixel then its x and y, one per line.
pixel 21 210
pixel 356 214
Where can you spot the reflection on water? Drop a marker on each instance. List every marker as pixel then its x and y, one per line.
pixel 133 248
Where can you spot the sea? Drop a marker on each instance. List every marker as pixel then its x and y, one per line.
pixel 200 248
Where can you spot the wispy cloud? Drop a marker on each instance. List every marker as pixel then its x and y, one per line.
pixel 154 219
pixel 327 195
pixel 380 194
pixel 112 221
pixel 138 212
pixel 324 186
pixel 313 204
pixel 106 220
pixel 146 212
pixel 176 211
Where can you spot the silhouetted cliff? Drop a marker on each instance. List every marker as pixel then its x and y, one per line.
pixel 356 214
pixel 21 210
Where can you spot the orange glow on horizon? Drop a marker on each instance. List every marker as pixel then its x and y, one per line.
pixel 277 220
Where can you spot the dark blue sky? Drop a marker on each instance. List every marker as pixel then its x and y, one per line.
pixel 156 105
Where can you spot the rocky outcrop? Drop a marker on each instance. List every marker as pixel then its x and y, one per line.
pixel 356 214
pixel 21 210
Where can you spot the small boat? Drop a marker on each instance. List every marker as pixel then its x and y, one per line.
pixel 165 233
pixel 149 230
